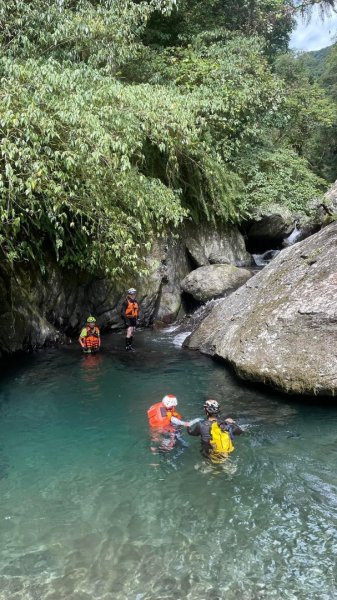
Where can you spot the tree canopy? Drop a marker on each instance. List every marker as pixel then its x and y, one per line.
pixel 119 119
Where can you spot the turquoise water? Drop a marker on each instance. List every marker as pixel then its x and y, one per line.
pixel 88 512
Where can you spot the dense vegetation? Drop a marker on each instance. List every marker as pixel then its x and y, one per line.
pixel 121 118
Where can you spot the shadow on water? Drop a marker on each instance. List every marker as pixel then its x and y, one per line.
pixel 270 393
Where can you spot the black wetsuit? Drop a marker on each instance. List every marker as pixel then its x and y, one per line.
pixel 203 428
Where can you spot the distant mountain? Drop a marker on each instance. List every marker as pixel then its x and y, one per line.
pixel 315 60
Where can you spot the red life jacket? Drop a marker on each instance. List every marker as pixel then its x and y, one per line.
pixel 160 417
pixel 91 340
pixel 132 309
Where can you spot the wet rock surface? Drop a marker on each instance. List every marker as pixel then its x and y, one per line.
pixel 280 328
pixel 45 309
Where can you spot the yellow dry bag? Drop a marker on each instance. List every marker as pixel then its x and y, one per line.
pixel 220 440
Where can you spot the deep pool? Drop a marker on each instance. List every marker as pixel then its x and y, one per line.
pixel 88 512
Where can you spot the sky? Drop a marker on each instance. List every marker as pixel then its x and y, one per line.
pixel 316 34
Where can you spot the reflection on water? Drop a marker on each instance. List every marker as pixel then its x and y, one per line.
pixel 87 511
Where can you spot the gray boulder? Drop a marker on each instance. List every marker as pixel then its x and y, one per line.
pixel 175 267
pixel 270 227
pixel 281 327
pixel 214 281
pixel 208 244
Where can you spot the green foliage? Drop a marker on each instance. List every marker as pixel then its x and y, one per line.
pixel 71 142
pixel 307 107
pixel 107 142
pixel 271 19
pixel 328 77
pixel 310 110
pixel 277 176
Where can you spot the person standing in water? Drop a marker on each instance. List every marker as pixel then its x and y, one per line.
pixel 90 336
pixel 216 434
pixel 129 314
pixel 164 421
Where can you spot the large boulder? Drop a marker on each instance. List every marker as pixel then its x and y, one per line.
pixel 175 267
pixel 281 326
pixel 214 281
pixel 269 228
pixel 208 244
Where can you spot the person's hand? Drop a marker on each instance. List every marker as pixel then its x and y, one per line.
pixel 230 421
pixel 194 421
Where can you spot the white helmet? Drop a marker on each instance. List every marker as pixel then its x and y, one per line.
pixel 212 407
pixel 169 401
pixel 132 291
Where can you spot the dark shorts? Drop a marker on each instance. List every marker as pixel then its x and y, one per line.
pixel 130 322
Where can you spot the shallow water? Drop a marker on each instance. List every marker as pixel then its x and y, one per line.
pixel 88 512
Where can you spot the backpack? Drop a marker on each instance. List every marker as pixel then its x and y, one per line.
pixel 220 440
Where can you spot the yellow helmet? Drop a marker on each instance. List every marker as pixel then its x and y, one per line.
pixel 91 319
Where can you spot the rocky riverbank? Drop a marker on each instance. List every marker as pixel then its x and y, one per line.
pixel 280 328
pixel 43 309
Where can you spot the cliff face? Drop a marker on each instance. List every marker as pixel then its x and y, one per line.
pixel 46 309
pixel 281 326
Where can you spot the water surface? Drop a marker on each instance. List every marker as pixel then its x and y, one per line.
pixel 88 512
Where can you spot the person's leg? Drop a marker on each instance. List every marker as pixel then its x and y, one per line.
pixel 132 334
pixel 128 339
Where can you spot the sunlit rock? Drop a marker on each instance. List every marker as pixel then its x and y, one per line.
pixel 214 281
pixel 281 326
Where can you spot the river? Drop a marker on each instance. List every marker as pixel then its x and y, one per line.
pixel 89 512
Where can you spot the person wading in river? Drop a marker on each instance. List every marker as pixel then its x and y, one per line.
pixel 216 434
pixel 129 314
pixel 164 421
pixel 90 336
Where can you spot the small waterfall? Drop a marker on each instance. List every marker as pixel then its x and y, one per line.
pixel 261 260
pixel 179 339
pixel 185 327
pixel 293 237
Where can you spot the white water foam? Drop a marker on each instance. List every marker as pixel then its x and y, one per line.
pixel 170 329
pixel 293 237
pixel 179 339
pixel 261 260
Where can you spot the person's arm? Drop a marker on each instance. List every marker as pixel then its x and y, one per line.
pixel 232 426
pixel 99 339
pixel 194 428
pixel 82 337
pixel 176 421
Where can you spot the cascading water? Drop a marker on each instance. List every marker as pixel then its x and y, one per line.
pixel 261 260
pixel 293 237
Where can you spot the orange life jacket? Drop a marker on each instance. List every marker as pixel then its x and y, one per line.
pixel 91 340
pixel 160 417
pixel 132 309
